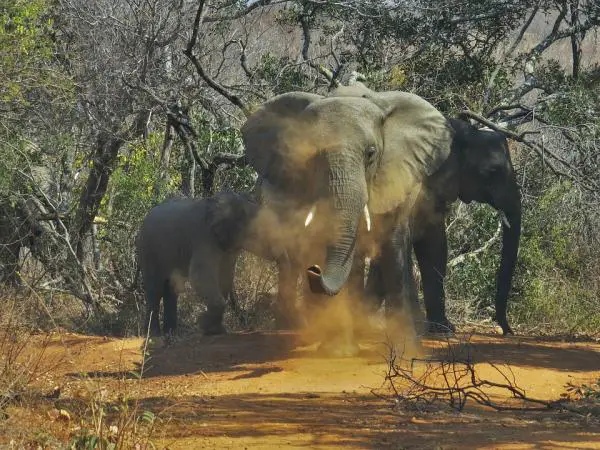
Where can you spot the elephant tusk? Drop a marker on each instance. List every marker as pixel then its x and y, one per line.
pixel 504 219
pixel 311 215
pixel 367 218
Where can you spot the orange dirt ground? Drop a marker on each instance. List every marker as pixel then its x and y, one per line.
pixel 272 390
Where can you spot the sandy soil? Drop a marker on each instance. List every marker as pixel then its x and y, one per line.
pixel 274 390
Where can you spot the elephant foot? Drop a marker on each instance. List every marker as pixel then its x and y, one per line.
pixel 506 329
pixel 339 348
pixel 443 326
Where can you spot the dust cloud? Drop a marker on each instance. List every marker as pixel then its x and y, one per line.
pixel 344 324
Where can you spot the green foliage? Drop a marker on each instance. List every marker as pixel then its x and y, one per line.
pixel 135 187
pixel 555 287
pixel 471 285
pixel 281 74
pixel 26 53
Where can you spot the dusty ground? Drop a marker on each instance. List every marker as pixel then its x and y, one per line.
pixel 272 390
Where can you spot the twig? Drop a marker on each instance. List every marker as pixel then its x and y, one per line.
pixel 454 380
pixel 461 258
pixel 189 53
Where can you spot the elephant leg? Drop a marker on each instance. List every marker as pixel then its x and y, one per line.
pixel 169 308
pixel 226 283
pixel 153 293
pixel 397 279
pixel 356 279
pixel 374 289
pixel 204 277
pixel 287 315
pixel 432 255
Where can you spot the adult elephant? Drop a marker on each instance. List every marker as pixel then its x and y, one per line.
pixel 479 169
pixel 198 240
pixel 332 158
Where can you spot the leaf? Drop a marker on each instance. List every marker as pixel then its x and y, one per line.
pixel 148 416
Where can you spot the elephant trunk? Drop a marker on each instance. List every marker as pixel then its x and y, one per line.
pixel 511 233
pixel 348 193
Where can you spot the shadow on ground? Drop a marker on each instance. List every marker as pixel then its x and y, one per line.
pixel 357 422
pixel 196 353
pixel 224 353
pixel 520 351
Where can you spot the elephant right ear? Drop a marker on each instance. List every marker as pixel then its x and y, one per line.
pixel 275 139
pixel 416 141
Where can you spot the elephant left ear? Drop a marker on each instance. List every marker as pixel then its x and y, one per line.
pixel 229 215
pixel 416 142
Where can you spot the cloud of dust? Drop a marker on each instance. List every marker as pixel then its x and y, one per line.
pixel 344 326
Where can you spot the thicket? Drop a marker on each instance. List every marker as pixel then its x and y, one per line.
pixel 109 107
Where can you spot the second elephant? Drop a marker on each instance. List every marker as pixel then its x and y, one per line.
pixel 479 168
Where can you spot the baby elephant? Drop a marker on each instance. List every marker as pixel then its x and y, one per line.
pixel 197 239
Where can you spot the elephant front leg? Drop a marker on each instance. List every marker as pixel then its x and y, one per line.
pixel 153 293
pixel 432 255
pixel 286 312
pixel 404 318
pixel 374 289
pixel 204 277
pixel 396 277
pixel 170 308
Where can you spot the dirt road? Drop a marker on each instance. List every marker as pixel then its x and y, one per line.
pixel 272 390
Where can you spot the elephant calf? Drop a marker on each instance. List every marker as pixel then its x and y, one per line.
pixel 197 239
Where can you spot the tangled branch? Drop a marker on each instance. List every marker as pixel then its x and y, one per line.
pixel 453 379
pixel 548 157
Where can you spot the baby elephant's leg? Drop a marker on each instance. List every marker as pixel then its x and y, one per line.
pixel 204 277
pixel 169 307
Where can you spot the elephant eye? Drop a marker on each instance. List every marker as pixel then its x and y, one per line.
pixel 370 152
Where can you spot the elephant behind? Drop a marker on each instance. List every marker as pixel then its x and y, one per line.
pixel 199 240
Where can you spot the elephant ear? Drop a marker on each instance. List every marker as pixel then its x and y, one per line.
pixel 274 139
pixel 229 216
pixel 416 142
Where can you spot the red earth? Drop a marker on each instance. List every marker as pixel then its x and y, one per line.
pixel 274 389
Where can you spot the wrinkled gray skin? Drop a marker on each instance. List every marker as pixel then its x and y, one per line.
pixel 478 169
pixel 197 239
pixel 342 153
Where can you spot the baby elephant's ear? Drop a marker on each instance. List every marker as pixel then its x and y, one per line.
pixel 273 134
pixel 417 142
pixel 229 216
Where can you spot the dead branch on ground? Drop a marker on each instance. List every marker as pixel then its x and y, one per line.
pixel 452 378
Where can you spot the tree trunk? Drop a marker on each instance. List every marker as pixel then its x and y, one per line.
pixel 103 164
pixel 576 38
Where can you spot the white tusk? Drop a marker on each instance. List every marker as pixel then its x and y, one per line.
pixel 504 219
pixel 311 215
pixel 367 218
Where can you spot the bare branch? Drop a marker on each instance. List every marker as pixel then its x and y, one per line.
pixel 328 74
pixel 189 53
pixel 462 258
pixel 542 152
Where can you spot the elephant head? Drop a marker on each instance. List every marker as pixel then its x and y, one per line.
pixel 352 153
pixel 486 175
